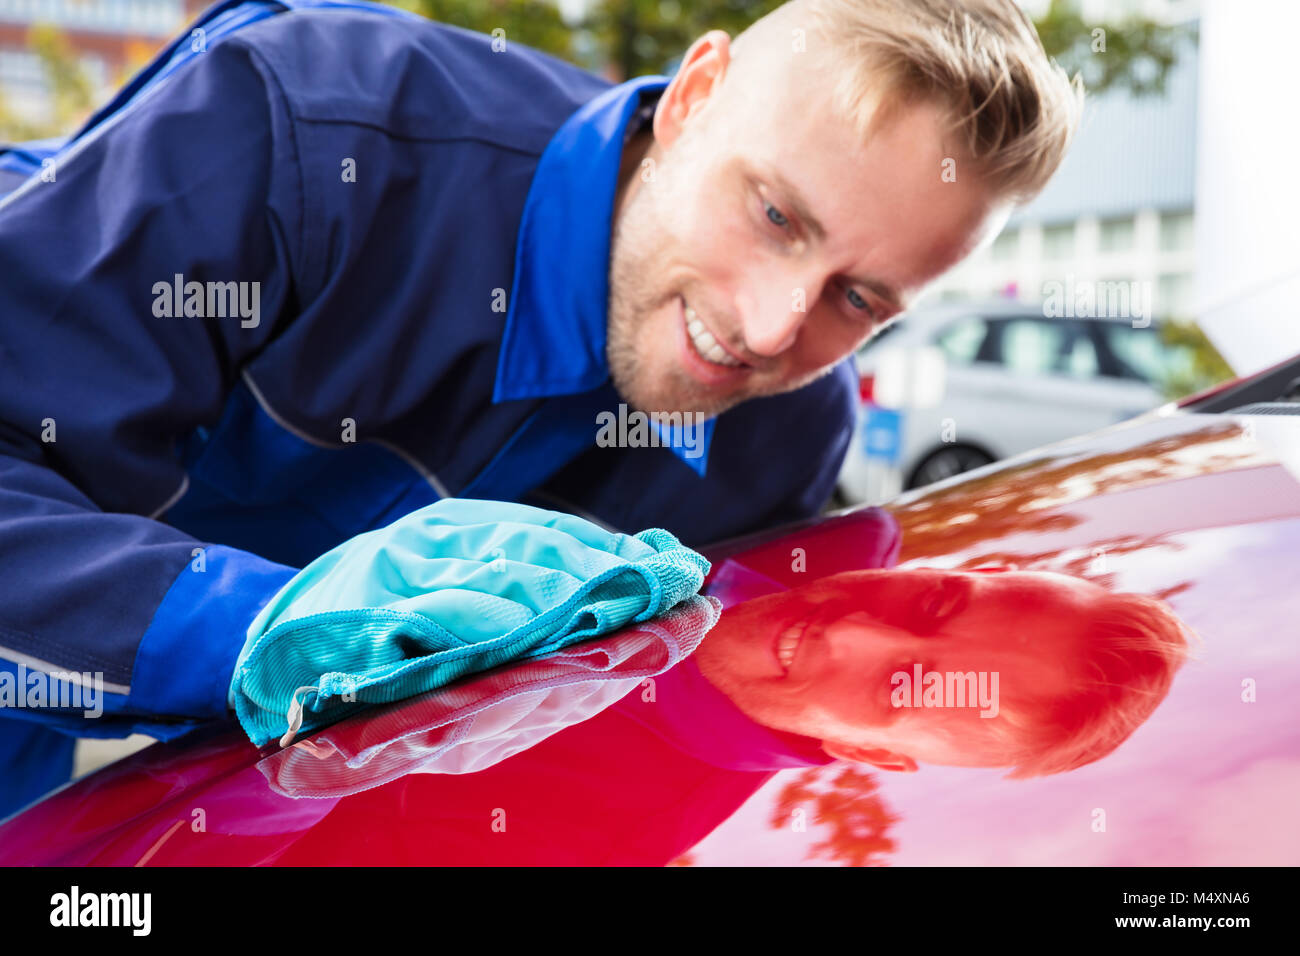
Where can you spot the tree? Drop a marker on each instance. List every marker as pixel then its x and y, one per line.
pixel 534 23
pixel 625 38
pixel 1134 54
pixel 646 36
pixel 70 89
pixel 1200 364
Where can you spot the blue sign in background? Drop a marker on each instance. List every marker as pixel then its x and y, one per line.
pixel 882 433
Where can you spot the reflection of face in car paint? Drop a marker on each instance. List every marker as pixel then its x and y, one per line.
pixel 1078 668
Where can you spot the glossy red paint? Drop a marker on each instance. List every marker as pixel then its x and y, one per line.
pixel 1196 510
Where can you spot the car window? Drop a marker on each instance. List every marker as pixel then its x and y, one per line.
pixel 1080 358
pixel 1138 352
pixel 960 341
pixel 1047 347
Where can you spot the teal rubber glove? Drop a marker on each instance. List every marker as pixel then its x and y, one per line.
pixel 454 588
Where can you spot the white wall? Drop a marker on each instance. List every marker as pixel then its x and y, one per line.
pixel 1247 183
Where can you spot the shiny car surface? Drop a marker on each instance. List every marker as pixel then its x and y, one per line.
pixel 551 763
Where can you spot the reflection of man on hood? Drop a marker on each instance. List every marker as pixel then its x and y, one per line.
pixel 790 678
pixel 892 667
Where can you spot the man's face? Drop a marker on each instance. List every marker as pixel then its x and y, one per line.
pixel 821 660
pixel 764 241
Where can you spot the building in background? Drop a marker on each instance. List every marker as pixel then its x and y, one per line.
pixel 1121 209
pixel 109 39
pixel 1248 272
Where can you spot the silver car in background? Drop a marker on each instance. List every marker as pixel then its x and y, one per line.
pixel 954 387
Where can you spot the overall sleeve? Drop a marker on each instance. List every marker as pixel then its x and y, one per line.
pixel 101 379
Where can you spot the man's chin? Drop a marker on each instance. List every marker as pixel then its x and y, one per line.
pixel 680 403
pixel 709 403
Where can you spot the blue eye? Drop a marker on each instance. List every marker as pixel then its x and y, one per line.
pixel 857 301
pixel 775 217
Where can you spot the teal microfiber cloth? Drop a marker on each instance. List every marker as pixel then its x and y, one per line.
pixel 452 589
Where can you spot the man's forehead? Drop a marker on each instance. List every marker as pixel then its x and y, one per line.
pixel 881 203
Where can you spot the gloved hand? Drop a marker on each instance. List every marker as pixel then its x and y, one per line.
pixel 454 588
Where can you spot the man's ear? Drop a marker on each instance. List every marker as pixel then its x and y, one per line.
pixel 697 78
pixel 881 759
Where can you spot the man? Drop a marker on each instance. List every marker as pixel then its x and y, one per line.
pixel 323 264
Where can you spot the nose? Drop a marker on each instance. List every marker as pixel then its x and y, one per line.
pixel 773 308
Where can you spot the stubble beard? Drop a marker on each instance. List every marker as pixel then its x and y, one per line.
pixel 637 251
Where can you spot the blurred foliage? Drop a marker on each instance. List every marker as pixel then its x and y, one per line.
pixel 637 37
pixel 68 82
pixel 624 38
pixel 621 37
pixel 645 36
pixel 1134 54
pixel 534 23
pixel 1204 365
pixel 70 90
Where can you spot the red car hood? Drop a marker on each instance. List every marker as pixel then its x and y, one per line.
pixel 1202 511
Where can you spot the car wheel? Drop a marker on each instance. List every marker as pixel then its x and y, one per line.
pixel 947 462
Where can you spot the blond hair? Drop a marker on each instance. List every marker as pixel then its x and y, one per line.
pixel 1013 110
pixel 1133 646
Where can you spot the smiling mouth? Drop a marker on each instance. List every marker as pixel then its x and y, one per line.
pixel 787 645
pixel 704 344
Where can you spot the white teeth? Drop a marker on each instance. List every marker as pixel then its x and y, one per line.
pixel 706 346
pixel 786 646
